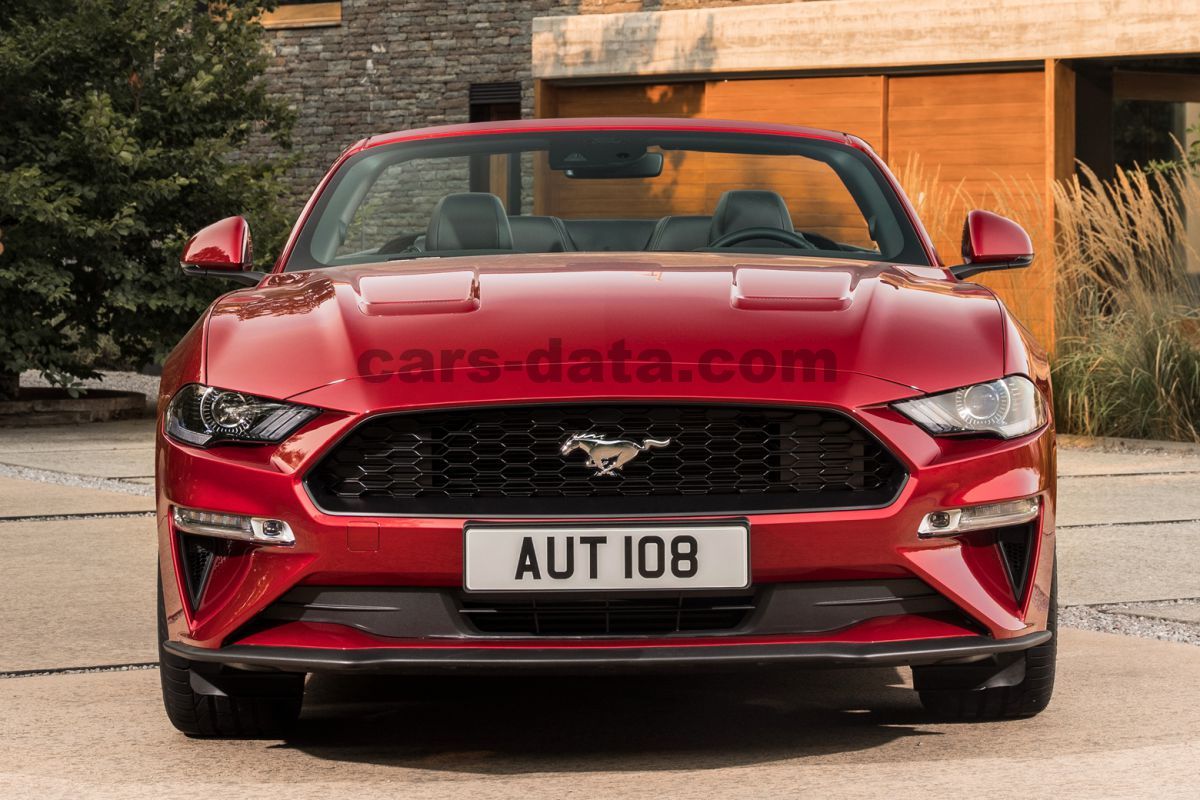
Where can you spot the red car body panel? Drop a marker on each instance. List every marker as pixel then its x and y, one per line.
pixel 319 324
pixel 330 338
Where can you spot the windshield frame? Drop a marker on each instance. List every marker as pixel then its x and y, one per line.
pixel 524 137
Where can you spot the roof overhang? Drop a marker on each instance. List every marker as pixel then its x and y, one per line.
pixel 857 35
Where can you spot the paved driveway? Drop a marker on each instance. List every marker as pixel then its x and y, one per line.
pixel 80 714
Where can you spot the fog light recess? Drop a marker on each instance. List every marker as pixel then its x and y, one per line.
pixel 258 530
pixel 953 521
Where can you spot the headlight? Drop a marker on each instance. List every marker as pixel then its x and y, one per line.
pixel 1009 407
pixel 203 415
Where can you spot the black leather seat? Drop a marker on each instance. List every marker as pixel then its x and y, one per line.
pixel 682 232
pixel 739 209
pixel 540 235
pixel 624 235
pixel 468 221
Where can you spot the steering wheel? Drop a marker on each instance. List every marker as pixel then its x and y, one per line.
pixel 776 234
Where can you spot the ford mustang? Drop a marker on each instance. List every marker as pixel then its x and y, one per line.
pixel 604 395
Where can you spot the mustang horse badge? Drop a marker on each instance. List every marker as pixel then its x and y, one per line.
pixel 608 456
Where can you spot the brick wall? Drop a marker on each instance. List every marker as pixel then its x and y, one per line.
pixel 394 65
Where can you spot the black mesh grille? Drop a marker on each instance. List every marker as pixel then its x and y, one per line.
pixel 1015 543
pixel 198 554
pixel 508 461
pixel 446 614
pixel 1016 554
pixel 632 617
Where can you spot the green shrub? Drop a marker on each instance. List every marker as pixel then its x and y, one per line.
pixel 1131 375
pixel 122 123
pixel 1127 360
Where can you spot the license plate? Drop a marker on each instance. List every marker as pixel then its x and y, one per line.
pixel 581 558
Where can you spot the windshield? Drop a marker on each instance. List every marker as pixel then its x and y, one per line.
pixel 617 191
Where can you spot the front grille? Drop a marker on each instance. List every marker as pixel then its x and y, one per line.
pixel 508 462
pixel 632 617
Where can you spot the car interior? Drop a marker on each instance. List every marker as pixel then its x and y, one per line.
pixel 478 221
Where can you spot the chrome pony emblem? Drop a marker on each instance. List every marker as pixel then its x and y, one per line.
pixel 608 456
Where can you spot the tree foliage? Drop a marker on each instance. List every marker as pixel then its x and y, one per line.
pixel 122 124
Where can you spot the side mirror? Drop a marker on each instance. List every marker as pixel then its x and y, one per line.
pixel 223 249
pixel 991 241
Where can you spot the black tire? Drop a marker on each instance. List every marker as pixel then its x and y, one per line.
pixel 1026 699
pixel 226 717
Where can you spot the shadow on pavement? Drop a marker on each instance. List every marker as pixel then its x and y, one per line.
pixel 513 725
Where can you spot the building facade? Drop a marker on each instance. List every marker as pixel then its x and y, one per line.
pixel 971 101
pixel 360 67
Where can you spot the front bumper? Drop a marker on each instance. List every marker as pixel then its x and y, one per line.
pixel 963 649
pixel 795 547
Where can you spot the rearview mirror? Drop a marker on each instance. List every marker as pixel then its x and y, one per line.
pixel 223 249
pixel 990 242
pixel 649 165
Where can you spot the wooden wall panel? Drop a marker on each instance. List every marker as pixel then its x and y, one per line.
pixel 629 100
pixel 841 104
pixel 816 196
pixel 306 15
pixel 975 131
pixel 983 136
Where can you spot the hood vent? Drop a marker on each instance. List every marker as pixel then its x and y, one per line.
pixel 764 289
pixel 418 293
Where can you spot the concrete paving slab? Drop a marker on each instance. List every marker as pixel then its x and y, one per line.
pixel 1128 563
pixel 1133 498
pixel 1171 611
pixel 1076 461
pixel 28 498
pixel 102 463
pixel 119 435
pixel 1125 722
pixel 77 593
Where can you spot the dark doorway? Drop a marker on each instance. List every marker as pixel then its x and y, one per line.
pixel 500 175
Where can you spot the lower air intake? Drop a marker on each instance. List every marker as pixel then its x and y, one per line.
pixel 1016 546
pixel 198 554
pixel 633 617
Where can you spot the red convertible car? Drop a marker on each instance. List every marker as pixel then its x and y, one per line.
pixel 604 394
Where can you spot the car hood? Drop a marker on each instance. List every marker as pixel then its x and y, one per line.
pixel 907 325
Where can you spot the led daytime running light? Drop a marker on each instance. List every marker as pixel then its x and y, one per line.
pixel 954 521
pixel 259 530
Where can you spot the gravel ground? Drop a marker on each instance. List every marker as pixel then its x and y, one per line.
pixel 117 381
pixel 72 479
pixel 1098 618
pixel 35 673
pixel 1110 444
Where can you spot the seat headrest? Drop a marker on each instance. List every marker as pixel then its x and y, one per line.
pixel 739 209
pixel 468 221
pixel 539 234
pixel 680 232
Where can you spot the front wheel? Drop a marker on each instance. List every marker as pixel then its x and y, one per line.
pixel 229 705
pixel 940 694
